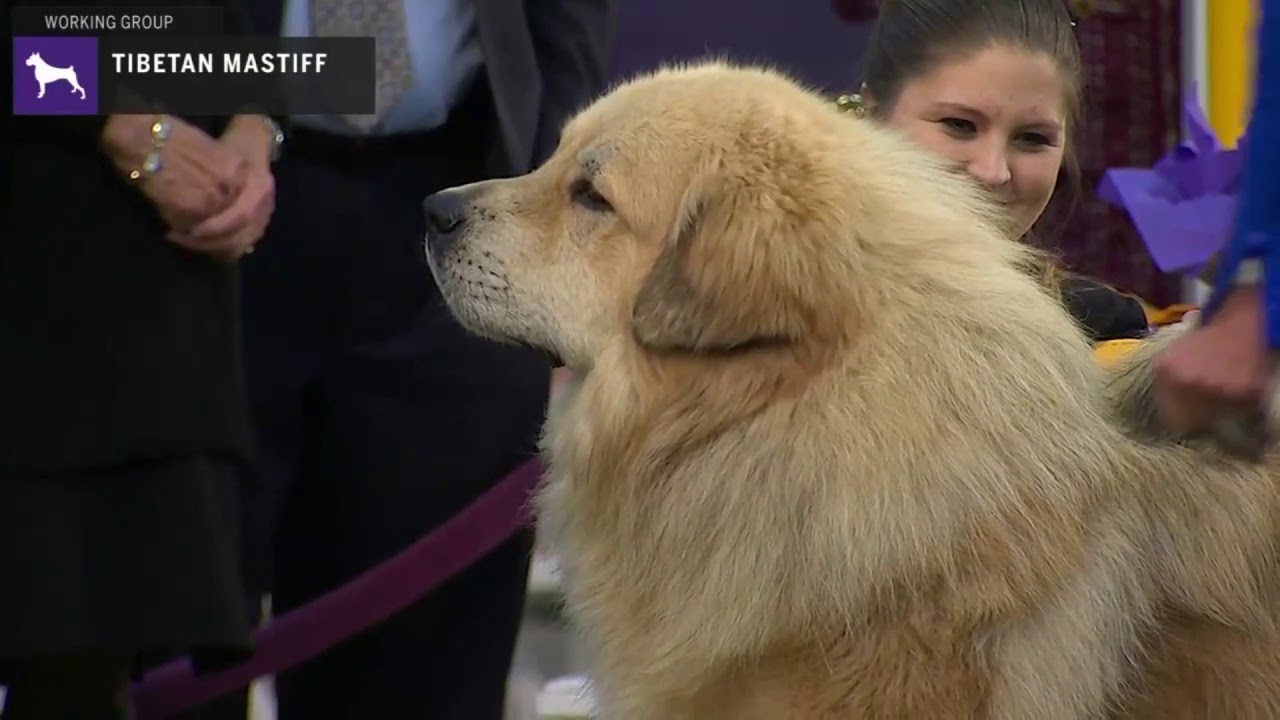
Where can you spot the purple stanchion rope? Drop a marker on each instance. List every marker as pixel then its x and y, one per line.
pixel 371 598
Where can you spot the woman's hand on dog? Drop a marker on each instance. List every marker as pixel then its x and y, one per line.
pixel 198 177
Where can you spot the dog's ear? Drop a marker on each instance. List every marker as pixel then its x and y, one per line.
pixel 719 284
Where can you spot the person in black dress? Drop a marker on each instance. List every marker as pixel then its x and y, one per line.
pixel 123 426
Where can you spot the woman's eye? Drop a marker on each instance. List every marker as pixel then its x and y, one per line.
pixel 585 194
pixel 959 126
pixel 1035 140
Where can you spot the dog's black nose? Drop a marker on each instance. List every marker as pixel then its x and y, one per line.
pixel 446 212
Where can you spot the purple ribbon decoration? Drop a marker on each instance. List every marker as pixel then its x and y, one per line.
pixel 1184 206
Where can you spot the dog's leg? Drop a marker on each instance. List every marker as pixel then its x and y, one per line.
pixel 75 83
pixel 41 91
pixel 1071 658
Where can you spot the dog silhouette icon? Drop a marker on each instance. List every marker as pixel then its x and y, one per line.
pixel 46 73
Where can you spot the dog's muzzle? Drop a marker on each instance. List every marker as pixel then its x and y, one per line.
pixel 446 214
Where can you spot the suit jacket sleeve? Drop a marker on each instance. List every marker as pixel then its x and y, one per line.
pixel 1260 194
pixel 1256 237
pixel 573 40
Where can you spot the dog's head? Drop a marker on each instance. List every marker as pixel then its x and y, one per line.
pixel 33 59
pixel 706 211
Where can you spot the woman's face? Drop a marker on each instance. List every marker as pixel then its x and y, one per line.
pixel 999 113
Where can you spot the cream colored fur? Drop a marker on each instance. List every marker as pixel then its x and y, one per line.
pixel 827 453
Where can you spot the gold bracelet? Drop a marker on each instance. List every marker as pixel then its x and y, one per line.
pixel 151 164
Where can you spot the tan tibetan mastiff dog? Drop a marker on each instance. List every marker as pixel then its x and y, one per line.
pixel 828 452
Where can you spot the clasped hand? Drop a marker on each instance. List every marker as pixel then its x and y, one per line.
pixel 215 195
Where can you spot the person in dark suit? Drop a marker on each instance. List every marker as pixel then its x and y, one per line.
pixel 378 417
pixel 123 425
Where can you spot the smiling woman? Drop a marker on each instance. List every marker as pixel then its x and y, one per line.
pixel 995 88
pixel 1000 115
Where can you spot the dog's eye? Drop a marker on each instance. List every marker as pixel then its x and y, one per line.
pixel 585 194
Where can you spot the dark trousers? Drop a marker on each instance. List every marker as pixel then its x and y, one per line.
pixel 378 418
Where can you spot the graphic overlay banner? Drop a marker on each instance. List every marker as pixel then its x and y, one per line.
pixel 63 20
pixel 97 70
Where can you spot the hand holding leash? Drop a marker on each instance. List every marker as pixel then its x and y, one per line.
pixel 187 174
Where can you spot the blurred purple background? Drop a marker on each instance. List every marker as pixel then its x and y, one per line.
pixel 803 37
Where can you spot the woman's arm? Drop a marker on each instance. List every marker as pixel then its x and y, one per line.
pixel 1114 321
